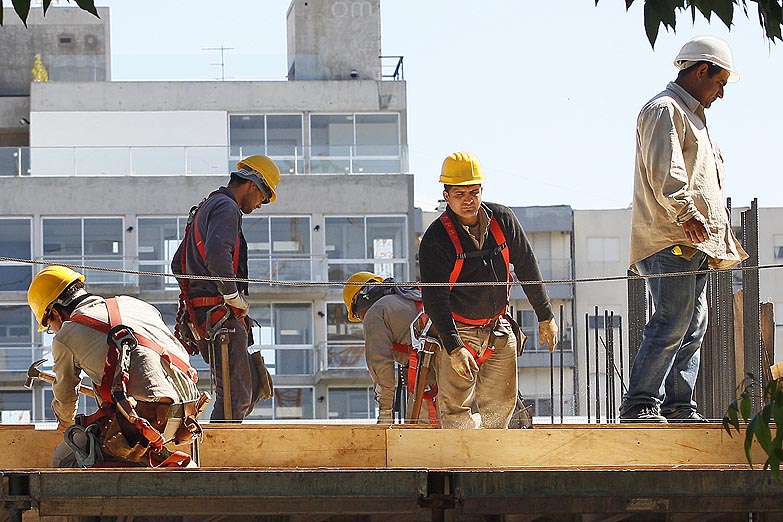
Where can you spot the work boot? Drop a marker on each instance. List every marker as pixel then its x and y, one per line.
pixel 647 413
pixel 685 415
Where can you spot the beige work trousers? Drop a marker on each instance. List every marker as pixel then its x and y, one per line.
pixel 488 400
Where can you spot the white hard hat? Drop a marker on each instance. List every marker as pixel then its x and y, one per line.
pixel 707 49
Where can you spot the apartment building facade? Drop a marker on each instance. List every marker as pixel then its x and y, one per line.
pixel 107 171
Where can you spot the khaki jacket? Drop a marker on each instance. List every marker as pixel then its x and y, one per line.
pixel 78 348
pixel 679 175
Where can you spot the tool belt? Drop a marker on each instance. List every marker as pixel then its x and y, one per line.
pixel 113 440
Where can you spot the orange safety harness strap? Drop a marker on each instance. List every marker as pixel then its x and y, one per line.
pixel 187 303
pixel 461 255
pixel 113 388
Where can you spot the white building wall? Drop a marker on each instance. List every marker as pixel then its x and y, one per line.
pixel 771 280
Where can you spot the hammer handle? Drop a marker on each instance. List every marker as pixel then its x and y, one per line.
pixel 48 377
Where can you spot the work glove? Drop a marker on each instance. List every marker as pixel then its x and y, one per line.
pixel 547 334
pixel 238 304
pixel 463 363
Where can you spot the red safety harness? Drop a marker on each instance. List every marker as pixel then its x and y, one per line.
pixel 187 303
pixel 113 388
pixel 413 366
pixel 502 248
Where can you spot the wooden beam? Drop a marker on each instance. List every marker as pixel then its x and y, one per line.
pixel 262 446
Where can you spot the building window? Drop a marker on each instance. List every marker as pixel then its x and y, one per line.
pixel 85 406
pixel 15 241
pixel 16 337
pixel 344 340
pixel 374 244
pixel 600 321
pixel 279 248
pixel 603 249
pixel 352 403
pixel 284 334
pixel 159 239
pixel 87 241
pixel 278 136
pixel 16 407
pixel 355 143
pixel 287 403
pixel 778 243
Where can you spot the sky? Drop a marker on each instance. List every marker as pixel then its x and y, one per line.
pixel 546 94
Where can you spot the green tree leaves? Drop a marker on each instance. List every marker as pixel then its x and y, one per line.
pixel 759 425
pixel 664 12
pixel 22 8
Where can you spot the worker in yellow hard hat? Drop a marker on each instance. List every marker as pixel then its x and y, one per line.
pixel 386 314
pixel 213 245
pixel 475 241
pixel 155 382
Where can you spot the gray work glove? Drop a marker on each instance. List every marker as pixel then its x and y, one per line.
pixel 547 334
pixel 238 304
pixel 463 363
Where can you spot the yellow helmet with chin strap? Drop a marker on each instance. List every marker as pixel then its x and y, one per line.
pixel 263 168
pixel 46 288
pixel 461 168
pixel 350 291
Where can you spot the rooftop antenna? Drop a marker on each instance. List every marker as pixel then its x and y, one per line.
pixel 222 63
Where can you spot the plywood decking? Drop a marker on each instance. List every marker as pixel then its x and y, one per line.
pixel 260 446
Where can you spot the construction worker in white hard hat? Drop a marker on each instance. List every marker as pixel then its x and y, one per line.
pixel 214 245
pixel 386 314
pixel 146 388
pixel 679 224
pixel 475 241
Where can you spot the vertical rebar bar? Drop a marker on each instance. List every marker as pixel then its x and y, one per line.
pixel 560 345
pixel 597 373
pixel 587 364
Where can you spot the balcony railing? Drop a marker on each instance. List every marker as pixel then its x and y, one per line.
pixel 199 161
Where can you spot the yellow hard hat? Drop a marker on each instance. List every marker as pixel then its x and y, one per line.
pixel 266 170
pixel 461 168
pixel 350 291
pixel 46 286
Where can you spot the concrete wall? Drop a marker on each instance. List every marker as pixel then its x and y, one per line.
pixel 771 280
pixel 327 96
pixel 74 45
pixel 328 39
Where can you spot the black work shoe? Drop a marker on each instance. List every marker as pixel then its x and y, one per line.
pixel 643 413
pixel 686 416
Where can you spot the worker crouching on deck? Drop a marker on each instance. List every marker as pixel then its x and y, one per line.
pixel 474 241
pixel 141 374
pixel 386 314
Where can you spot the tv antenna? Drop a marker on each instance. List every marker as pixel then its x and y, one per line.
pixel 222 63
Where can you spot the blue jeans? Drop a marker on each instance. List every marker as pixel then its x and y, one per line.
pixel 666 367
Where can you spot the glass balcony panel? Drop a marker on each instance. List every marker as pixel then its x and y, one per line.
pixel 15 359
pixel 291 269
pixel 102 161
pixel 9 161
pixel 52 161
pixel 330 165
pixel 363 166
pixel 205 161
pixel 342 271
pixel 97 277
pixel 345 356
pixel 158 161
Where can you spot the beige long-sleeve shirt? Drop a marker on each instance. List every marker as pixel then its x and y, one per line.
pixel 679 175
pixel 77 347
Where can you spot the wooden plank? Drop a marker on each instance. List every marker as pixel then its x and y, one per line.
pixel 608 446
pixel 264 446
pixel 25 447
pixel 310 445
pixel 739 339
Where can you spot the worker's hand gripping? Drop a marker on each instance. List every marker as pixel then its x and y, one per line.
pixel 547 334
pixel 237 304
pixel 463 363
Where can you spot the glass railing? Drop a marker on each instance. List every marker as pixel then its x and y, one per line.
pixel 342 355
pixel 199 161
